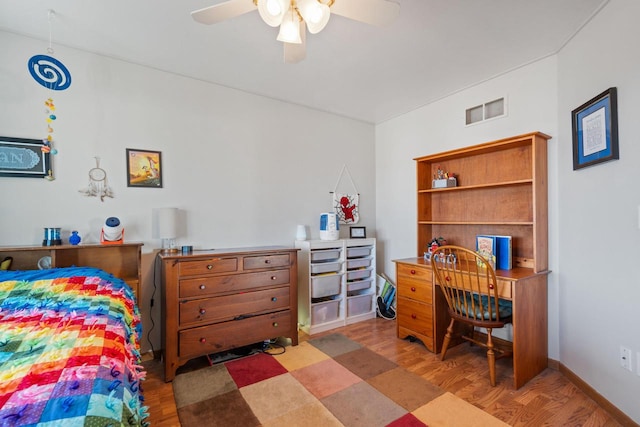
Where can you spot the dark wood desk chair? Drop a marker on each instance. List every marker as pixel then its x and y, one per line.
pixel 469 285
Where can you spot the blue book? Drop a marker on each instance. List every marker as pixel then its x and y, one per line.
pixel 503 253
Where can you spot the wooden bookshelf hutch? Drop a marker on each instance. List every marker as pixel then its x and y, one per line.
pixel 122 260
pixel 501 190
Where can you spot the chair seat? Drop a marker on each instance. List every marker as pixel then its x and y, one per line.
pixel 480 304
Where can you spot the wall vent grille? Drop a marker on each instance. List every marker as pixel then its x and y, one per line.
pixel 486 111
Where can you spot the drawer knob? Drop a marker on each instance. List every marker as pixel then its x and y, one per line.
pixel 274 299
pixel 267 261
pixel 273 277
pixel 202 311
pixel 490 285
pixel 203 287
pixel 203 340
pixel 413 272
pixel 413 316
pixel 275 324
pixel 413 289
pixel 209 266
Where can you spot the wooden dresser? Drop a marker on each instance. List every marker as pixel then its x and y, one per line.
pixel 228 298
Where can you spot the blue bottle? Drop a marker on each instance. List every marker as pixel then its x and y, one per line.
pixel 74 239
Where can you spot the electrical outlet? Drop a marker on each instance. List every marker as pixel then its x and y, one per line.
pixel 625 358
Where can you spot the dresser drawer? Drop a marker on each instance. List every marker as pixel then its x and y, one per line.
pixel 208 266
pixel 233 334
pixel 229 307
pixel 206 286
pixel 416 316
pixel 266 261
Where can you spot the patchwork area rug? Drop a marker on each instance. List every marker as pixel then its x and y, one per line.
pixel 328 381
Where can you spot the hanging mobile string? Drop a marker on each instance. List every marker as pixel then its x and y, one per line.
pixel 51 14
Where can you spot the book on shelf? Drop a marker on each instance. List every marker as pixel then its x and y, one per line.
pixel 486 247
pixel 498 250
pixel 504 253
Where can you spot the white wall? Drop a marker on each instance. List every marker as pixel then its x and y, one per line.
pixel 531 102
pixel 598 205
pixel 244 170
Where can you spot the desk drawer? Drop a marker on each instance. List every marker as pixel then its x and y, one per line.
pixel 418 290
pixel 505 289
pixel 416 316
pixel 208 266
pixel 206 286
pixel 229 307
pixel 233 334
pixel 414 272
pixel 266 261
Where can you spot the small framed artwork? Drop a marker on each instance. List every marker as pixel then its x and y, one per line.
pixel 595 130
pixel 358 232
pixel 144 168
pixel 24 158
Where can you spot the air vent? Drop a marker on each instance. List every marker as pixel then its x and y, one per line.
pixel 486 111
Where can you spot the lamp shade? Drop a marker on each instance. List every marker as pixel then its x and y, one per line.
pixel 167 223
pixel 272 11
pixel 290 28
pixel 315 14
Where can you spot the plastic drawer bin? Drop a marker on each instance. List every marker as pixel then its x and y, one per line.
pixel 358 304
pixel 323 286
pixel 359 251
pixel 358 263
pixel 325 255
pixel 326 267
pixel 358 274
pixel 325 311
pixel 358 285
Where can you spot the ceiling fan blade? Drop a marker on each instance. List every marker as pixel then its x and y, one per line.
pixel 294 52
pixel 374 12
pixel 223 11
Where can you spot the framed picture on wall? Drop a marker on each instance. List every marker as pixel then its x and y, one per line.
pixel 595 130
pixel 144 168
pixel 24 158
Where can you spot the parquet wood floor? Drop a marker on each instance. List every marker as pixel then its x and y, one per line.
pixel 550 399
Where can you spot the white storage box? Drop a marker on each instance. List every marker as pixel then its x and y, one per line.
pixel 358 251
pixel 358 274
pixel 358 285
pixel 326 267
pixel 325 285
pixel 325 311
pixel 325 255
pixel 358 263
pixel 359 304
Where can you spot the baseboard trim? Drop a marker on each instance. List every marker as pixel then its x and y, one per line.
pixel 616 413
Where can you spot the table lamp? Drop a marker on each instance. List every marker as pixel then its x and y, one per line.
pixel 167 228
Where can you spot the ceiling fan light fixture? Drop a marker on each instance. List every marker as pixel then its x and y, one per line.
pixel 290 28
pixel 273 11
pixel 315 14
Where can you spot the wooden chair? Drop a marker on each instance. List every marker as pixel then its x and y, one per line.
pixel 469 285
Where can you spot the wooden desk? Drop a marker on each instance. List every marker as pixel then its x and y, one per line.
pixel 527 291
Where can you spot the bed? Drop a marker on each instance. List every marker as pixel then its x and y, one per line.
pixel 69 349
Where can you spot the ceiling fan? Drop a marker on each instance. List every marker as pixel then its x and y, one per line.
pixel 294 16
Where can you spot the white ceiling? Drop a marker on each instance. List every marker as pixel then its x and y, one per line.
pixel 435 48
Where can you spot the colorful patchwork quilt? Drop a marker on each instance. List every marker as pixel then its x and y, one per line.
pixel 69 350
